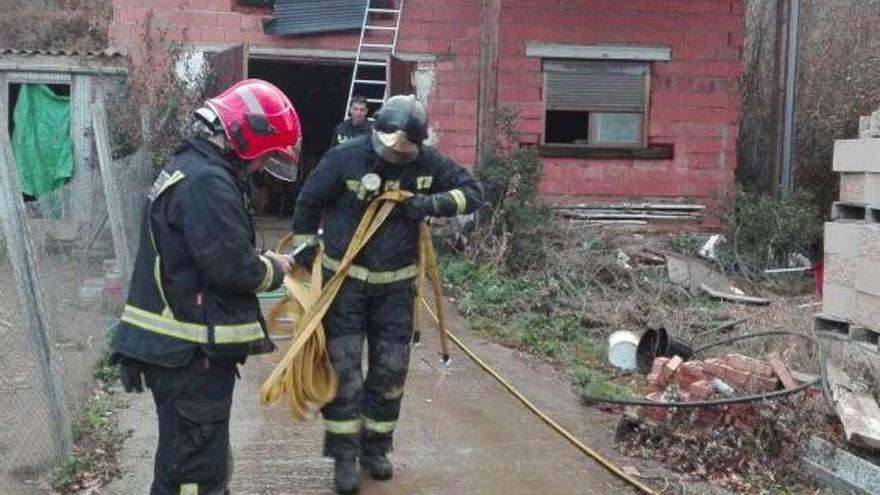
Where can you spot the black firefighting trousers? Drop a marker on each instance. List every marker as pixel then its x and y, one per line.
pixel 362 417
pixel 193 403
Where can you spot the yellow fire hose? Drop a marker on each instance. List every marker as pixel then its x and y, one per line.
pixel 305 375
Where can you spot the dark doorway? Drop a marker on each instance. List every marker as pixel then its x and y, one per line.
pixel 318 90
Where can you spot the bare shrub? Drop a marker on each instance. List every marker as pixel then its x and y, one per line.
pixel 55 24
pixel 838 67
pixel 152 104
pixel 514 231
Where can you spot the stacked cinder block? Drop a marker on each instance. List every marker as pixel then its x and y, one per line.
pixel 851 292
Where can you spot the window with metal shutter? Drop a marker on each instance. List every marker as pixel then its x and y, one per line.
pixel 595 86
pixel 595 103
pixel 299 17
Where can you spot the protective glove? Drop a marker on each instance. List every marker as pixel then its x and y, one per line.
pixel 130 372
pixel 285 262
pixel 419 206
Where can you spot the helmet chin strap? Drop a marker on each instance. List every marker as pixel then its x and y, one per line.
pixel 221 143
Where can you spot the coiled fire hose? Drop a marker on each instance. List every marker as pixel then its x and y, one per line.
pixel 305 375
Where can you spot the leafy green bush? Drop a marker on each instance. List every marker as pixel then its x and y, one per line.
pixel 591 383
pixel 487 293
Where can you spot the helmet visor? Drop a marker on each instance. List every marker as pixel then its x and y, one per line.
pixel 283 166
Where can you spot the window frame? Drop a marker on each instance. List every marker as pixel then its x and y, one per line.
pixel 643 141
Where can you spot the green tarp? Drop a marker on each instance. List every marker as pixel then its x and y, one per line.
pixel 41 140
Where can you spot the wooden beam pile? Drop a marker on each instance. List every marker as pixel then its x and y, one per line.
pixel 639 213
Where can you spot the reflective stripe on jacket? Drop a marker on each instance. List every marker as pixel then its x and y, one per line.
pixel 196 273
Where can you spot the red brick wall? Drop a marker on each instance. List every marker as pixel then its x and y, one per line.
pixel 448 30
pixel 694 101
pixel 694 98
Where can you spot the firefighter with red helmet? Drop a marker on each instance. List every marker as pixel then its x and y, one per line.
pixel 192 313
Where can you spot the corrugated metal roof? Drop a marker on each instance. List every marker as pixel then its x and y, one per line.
pixel 296 17
pixel 108 53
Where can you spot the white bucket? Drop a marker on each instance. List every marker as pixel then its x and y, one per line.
pixel 622 350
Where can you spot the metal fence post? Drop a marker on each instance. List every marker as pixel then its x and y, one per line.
pixel 111 191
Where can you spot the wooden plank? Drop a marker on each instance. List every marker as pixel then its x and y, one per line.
pixel 781 370
pixel 651 152
pixel 856 407
pixel 629 216
pixel 229 66
pixel 111 191
pixel 727 296
pixel 399 76
pixel 598 52
pixel 32 305
pixel 487 84
pixel 638 206
pixel 83 185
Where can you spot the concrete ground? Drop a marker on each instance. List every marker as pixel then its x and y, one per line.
pixel 460 432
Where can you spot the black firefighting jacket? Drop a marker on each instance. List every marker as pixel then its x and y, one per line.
pixel 345 130
pixel 335 197
pixel 196 274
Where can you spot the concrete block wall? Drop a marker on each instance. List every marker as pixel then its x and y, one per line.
pixel 851 289
pixel 858 162
pixel 842 246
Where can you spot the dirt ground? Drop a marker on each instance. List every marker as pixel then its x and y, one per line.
pixel 27 449
pixel 460 432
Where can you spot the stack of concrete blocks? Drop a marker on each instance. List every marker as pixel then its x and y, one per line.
pixel 851 292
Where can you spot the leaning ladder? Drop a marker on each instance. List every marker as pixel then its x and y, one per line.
pixel 377 42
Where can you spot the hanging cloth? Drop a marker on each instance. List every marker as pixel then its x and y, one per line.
pixel 41 140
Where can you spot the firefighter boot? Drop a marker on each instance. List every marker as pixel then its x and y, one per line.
pixel 378 466
pixel 346 476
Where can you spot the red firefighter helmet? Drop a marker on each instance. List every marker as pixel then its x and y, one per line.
pixel 259 120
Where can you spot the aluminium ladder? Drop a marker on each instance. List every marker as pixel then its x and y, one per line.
pixel 377 42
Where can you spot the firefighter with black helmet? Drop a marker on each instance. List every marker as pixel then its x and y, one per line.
pixel 192 314
pixel 376 302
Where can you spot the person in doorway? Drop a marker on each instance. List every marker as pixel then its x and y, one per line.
pixel 192 314
pixel 376 301
pixel 356 124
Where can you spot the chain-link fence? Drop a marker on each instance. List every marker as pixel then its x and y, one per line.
pixel 61 287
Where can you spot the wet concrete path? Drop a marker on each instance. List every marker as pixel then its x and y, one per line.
pixel 460 433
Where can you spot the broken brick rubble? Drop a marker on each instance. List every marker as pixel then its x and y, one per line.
pixel 698 381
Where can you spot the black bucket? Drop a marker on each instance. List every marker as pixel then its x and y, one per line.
pixel 657 342
pixel 679 347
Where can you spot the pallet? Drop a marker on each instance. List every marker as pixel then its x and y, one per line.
pixel 830 325
pixel 855 212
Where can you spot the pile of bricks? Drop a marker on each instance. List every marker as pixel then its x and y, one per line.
pixel 851 289
pixel 672 379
